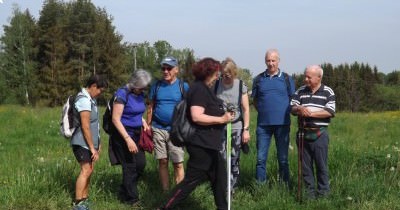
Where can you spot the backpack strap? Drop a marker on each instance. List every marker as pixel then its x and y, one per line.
pixel 286 76
pixel 240 93
pixel 158 84
pixel 182 88
pixel 126 95
pixel 216 86
pixel 240 98
pixel 111 102
pixel 75 113
pixel 258 78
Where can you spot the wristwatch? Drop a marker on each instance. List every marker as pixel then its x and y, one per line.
pixel 246 128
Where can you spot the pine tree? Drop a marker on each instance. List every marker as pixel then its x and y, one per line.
pixel 18 60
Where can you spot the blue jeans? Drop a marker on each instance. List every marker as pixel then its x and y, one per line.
pixel 264 136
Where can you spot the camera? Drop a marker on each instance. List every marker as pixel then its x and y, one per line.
pixel 230 107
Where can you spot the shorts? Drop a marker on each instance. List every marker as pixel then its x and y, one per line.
pixel 163 147
pixel 82 154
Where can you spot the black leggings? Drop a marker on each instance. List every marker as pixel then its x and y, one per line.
pixel 203 164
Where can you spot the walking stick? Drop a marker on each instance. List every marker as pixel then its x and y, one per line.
pixel 228 160
pixel 300 150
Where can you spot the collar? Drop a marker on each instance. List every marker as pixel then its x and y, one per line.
pixel 86 93
pixel 173 82
pixel 279 74
pixel 321 88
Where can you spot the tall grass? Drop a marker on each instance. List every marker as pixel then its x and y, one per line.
pixel 38 169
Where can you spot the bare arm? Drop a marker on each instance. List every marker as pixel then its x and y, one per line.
pixel 150 111
pixel 87 133
pixel 306 112
pixel 200 118
pixel 321 114
pixel 116 119
pixel 246 117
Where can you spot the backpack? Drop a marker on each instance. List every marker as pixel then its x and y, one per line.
pixel 182 128
pixel 108 125
pixel 69 117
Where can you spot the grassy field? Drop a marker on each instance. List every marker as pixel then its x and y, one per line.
pixel 38 169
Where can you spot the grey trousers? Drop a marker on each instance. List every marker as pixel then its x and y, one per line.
pixel 316 152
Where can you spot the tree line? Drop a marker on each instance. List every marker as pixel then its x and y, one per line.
pixel 43 61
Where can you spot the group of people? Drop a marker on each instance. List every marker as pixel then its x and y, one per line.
pixel 216 97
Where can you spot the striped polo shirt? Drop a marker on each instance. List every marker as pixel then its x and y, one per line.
pixel 322 99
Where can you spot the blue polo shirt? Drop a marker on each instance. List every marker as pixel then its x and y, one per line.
pixel 166 97
pixel 273 99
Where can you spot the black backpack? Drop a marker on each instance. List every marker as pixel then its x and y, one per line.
pixel 108 125
pixel 182 128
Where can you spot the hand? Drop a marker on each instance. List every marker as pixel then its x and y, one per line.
pixel 131 145
pixel 95 155
pixel 303 111
pixel 246 136
pixel 146 126
pixel 228 117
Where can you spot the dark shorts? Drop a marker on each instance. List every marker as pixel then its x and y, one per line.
pixel 82 154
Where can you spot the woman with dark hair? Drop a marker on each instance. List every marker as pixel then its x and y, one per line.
pixel 85 141
pixel 208 115
pixel 128 109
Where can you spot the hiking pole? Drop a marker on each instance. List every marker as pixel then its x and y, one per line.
pixel 300 151
pixel 228 160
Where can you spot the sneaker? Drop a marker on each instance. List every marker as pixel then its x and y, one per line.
pixel 82 205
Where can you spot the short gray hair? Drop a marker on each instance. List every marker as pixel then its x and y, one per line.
pixel 318 68
pixel 273 51
pixel 139 79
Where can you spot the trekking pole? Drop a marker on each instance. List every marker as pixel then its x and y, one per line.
pixel 228 160
pixel 300 150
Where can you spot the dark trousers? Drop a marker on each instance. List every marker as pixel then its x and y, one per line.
pixel 203 164
pixel 132 168
pixel 316 152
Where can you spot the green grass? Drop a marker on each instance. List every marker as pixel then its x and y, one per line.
pixel 38 169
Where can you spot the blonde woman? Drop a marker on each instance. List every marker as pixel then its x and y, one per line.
pixel 228 89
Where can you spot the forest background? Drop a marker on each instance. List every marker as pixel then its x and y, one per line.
pixel 42 61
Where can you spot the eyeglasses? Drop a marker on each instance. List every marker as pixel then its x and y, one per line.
pixel 166 68
pixel 228 76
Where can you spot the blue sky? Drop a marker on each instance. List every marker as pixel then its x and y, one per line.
pixel 305 31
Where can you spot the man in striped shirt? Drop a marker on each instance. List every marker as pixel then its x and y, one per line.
pixel 314 104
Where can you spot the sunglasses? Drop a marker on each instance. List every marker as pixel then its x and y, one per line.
pixel 166 68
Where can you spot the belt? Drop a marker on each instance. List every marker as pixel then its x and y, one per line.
pixel 312 128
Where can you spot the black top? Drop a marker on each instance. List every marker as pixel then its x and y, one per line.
pixel 206 136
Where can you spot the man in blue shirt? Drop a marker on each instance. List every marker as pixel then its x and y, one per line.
pixel 271 97
pixel 164 95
